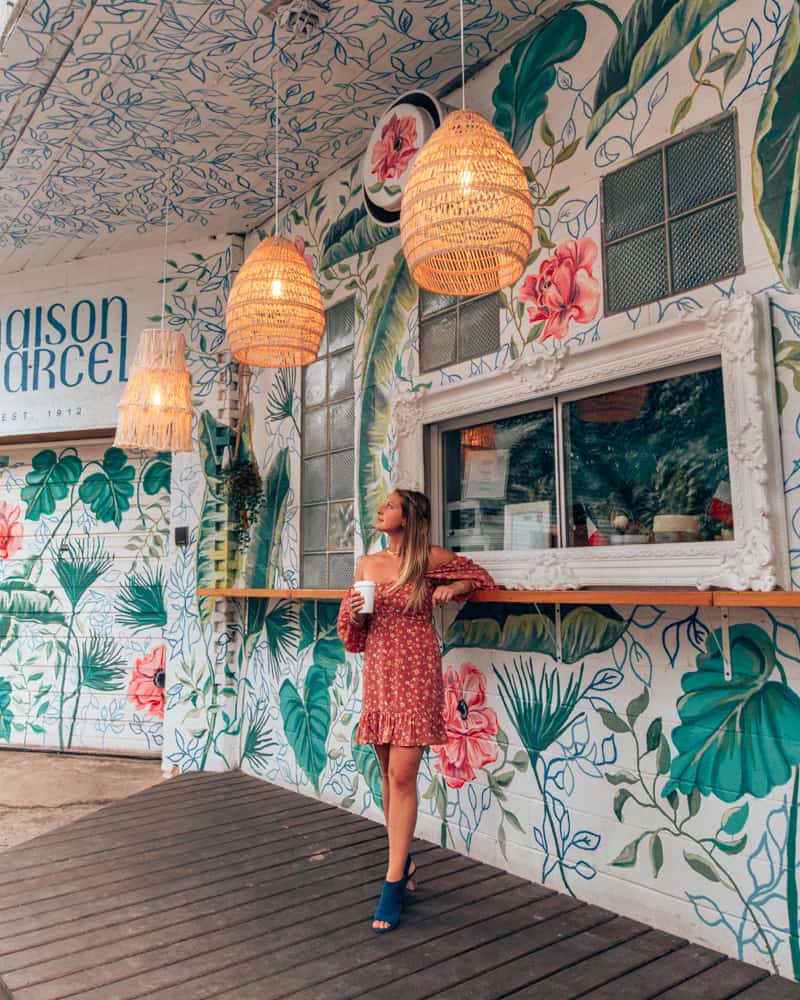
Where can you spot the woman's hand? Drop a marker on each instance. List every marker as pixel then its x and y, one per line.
pixel 449 592
pixel 357 617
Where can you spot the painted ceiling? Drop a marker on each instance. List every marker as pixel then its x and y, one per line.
pixel 104 104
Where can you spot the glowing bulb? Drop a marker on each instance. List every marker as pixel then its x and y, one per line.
pixel 466 181
pixel 277 288
pixel 155 399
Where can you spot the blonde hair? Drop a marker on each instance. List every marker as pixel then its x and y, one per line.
pixel 416 546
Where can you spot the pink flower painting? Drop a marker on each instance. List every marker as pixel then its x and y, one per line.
pixel 471 726
pixel 146 689
pixel 564 289
pixel 300 246
pixel 395 149
pixel 11 530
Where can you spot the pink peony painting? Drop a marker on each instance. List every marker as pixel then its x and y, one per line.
pixel 395 149
pixel 563 290
pixel 471 726
pixel 147 686
pixel 11 529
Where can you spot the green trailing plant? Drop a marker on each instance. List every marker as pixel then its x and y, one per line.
pixel 140 604
pixel 244 493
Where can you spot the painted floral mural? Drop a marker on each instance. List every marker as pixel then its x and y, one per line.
pixel 395 149
pixel 564 290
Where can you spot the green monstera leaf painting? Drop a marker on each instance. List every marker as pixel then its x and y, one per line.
pixel 652 34
pixel 776 156
pixel 521 95
pixel 109 491
pixel 740 736
pixel 22 603
pixel 366 760
pixel 49 481
pixel 528 628
pixel 307 721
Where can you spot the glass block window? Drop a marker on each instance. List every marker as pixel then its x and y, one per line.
pixel 671 218
pixel 453 329
pixel 328 510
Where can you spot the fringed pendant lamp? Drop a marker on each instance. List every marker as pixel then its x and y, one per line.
pixel 466 219
pixel 155 412
pixel 275 316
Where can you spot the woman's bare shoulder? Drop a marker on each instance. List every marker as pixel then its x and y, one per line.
pixel 439 556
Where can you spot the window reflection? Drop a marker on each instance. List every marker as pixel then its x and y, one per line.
pixel 649 464
pixel 499 480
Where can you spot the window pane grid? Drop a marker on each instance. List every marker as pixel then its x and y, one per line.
pixel 327 522
pixel 698 171
pixel 445 337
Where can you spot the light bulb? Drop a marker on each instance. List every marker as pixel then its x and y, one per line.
pixel 465 180
pixel 155 399
pixel 277 288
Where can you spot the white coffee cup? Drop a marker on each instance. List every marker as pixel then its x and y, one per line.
pixel 367 589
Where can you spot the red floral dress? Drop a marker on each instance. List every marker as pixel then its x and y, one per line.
pixel 402 689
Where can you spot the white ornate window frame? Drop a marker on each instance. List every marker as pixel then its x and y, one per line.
pixel 736 330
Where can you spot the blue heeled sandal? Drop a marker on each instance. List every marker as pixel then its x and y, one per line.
pixel 390 905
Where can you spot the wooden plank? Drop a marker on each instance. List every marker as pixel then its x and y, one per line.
pixel 234 833
pixel 285 899
pixel 101 901
pixel 523 972
pixel 662 597
pixel 198 971
pixel 113 875
pixel 242 814
pixel 757 599
pixel 607 966
pixel 727 979
pixel 417 972
pixel 773 988
pixel 91 919
pixel 437 928
pixel 659 975
pixel 94 968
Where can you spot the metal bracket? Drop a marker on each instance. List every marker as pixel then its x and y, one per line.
pixel 559 657
pixel 726 645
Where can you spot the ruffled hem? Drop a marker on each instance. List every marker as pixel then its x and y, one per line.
pixel 405 729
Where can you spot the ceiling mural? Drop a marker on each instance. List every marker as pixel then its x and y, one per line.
pixel 105 104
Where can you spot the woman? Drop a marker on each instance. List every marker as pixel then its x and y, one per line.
pixel 402 682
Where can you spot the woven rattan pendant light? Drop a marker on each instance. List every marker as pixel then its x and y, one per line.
pixel 275 317
pixel 466 219
pixel 155 412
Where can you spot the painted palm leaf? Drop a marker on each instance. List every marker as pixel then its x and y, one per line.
pixel 264 554
pixel 652 34
pixel 386 330
pixel 22 602
pixel 738 736
pixel 776 156
pixel 353 233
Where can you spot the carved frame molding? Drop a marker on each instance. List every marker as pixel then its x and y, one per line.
pixel 737 330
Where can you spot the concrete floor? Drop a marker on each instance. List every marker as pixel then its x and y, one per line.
pixel 40 791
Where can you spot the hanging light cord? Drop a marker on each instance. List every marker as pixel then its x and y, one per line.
pixel 275 82
pixel 166 233
pixel 463 84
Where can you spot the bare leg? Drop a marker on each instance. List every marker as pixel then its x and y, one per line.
pixel 382 753
pixel 402 819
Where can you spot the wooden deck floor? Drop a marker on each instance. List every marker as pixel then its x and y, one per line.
pixel 224 886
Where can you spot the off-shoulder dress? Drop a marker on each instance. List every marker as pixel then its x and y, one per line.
pixel 402 689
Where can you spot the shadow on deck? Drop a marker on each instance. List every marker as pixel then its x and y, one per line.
pixel 220 885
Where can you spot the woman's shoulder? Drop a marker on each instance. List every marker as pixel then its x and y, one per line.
pixel 439 556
